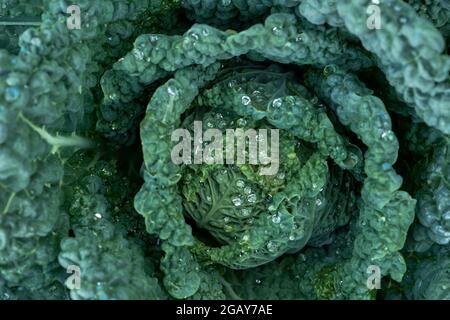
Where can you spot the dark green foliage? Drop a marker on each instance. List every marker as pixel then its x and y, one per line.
pixel 87 177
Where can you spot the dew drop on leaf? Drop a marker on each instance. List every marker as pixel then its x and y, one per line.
pixel 237 201
pixel 251 198
pixel 272 246
pixel 245 212
pixel 276 103
pixel 276 218
pixel 246 100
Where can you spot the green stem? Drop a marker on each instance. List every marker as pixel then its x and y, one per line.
pixel 58 142
pixel 20 21
pixel 8 204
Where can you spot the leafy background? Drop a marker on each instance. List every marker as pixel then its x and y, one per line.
pixel 86 179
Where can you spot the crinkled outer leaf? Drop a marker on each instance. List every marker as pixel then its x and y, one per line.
pixel 71 148
pixel 234 13
pixel 320 12
pixel 42 108
pixel 158 200
pixel 431 277
pixel 410 52
pixel 282 38
pixel 304 206
pixel 386 213
pixel 274 96
pixel 438 12
pixel 427 276
pixel 312 274
pixel 119 123
pixel 431 187
pixel 112 266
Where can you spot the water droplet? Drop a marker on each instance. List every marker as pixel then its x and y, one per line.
pixel 226 219
pixel 247 190
pixel 387 135
pixel 208 198
pixel 98 215
pixel 272 246
pixel 205 32
pixel 245 237
pixel 138 54
pixel 318 202
pixel 246 100
pixel 193 35
pixel 241 122
pixel 276 218
pixel 277 30
pixel 258 281
pixel 291 238
pixel 245 212
pixel 403 20
pixel 276 103
pixel 36 42
pixel 240 183
pixel 172 91
pixel 237 201
pixel 251 198
pixel 153 38
pixel 232 83
pixel 112 96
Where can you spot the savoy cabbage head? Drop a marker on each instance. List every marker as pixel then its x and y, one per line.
pixel 344 112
